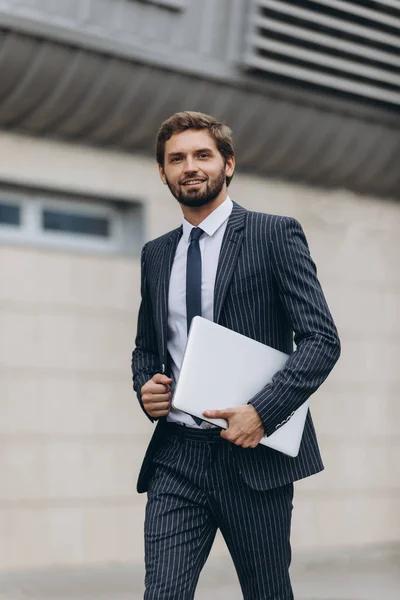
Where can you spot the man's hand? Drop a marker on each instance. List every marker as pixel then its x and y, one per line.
pixel 245 427
pixel 156 396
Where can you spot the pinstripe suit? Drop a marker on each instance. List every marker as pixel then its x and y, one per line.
pixel 266 288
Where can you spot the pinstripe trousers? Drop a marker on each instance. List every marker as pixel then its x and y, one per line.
pixel 195 489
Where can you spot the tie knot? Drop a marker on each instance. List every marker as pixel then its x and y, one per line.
pixel 196 234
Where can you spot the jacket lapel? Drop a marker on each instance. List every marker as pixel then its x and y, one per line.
pixel 163 289
pixel 228 257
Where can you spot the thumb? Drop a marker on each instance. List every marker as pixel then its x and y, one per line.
pixel 160 378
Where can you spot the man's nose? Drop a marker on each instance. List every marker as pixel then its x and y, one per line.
pixel 190 165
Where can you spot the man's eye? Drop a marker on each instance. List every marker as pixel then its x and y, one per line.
pixel 176 159
pixel 204 155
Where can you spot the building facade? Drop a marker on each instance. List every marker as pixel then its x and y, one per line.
pixel 312 93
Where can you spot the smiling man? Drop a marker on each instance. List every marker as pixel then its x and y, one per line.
pixel 201 181
pixel 251 272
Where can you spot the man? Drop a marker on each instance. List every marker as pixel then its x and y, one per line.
pixel 252 273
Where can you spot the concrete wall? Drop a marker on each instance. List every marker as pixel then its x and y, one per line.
pixel 71 434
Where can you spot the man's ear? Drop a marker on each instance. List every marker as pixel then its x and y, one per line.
pixel 230 166
pixel 162 174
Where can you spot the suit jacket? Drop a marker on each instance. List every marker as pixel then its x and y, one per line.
pixel 266 288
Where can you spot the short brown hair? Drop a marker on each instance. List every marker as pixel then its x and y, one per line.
pixel 188 119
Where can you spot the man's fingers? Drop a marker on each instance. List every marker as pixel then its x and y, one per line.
pixel 158 410
pixel 157 388
pixel 229 436
pixel 156 395
pixel 158 406
pixel 155 399
pixel 240 439
pixel 243 429
pixel 158 384
pixel 160 413
pixel 218 414
pixel 249 442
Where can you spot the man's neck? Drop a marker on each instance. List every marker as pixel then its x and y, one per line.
pixel 196 214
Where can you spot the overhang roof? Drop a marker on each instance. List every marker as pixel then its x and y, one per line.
pixel 58 90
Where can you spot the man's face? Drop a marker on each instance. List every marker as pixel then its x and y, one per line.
pixel 194 169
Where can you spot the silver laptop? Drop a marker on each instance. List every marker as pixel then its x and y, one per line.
pixel 222 369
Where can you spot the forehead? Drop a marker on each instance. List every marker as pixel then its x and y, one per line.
pixel 190 141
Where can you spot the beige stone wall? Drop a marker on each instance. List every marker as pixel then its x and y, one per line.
pixel 71 434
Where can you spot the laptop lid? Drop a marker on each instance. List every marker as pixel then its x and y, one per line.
pixel 222 369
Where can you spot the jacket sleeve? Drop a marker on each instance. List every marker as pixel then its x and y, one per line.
pixel 315 334
pixel 145 360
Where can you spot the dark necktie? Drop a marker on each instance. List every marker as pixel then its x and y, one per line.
pixel 193 283
pixel 193 276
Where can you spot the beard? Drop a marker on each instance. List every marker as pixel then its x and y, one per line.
pixel 198 197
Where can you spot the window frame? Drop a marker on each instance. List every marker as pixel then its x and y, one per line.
pixel 69 239
pixel 122 218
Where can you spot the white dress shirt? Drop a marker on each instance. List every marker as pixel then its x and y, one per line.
pixel 210 245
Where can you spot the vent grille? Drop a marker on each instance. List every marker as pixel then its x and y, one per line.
pixel 349 47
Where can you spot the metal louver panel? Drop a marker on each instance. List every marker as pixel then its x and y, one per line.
pixel 349 47
pixel 73 94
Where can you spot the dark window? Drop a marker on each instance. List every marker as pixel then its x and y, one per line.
pixel 10 214
pixel 75 223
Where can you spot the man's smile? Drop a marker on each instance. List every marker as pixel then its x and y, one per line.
pixel 193 182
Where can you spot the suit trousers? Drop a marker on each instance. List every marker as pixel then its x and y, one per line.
pixel 195 489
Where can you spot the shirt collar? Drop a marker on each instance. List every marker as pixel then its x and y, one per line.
pixel 213 221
